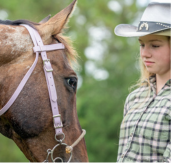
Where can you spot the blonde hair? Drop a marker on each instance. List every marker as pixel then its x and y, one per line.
pixel 145 75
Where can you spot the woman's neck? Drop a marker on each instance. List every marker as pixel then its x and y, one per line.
pixel 161 81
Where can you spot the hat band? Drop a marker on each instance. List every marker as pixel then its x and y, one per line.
pixel 145 26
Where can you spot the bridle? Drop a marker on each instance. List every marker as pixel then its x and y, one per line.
pixel 39 48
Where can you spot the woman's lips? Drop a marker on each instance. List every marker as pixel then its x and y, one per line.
pixel 148 63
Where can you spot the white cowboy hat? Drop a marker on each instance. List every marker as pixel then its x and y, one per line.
pixel 156 19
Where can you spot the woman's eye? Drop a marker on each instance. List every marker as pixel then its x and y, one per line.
pixel 72 82
pixel 141 45
pixel 155 46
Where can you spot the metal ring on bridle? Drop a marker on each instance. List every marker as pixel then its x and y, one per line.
pixel 60 140
pixel 49 153
pixel 58 158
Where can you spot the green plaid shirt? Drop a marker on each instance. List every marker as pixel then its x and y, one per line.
pixel 145 133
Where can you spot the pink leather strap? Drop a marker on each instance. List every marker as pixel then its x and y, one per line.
pixel 48 47
pixel 40 48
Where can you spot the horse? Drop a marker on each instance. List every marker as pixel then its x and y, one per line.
pixel 29 122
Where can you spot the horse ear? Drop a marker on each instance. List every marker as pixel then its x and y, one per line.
pixel 55 25
pixel 45 19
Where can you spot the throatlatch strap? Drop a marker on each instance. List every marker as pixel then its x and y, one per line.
pixel 40 48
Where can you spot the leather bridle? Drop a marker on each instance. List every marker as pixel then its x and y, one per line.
pixel 39 48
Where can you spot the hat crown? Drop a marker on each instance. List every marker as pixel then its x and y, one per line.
pixel 156 19
pixel 157 12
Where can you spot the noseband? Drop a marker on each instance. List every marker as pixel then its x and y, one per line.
pixel 39 48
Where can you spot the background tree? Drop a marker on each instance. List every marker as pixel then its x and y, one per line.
pixel 108 66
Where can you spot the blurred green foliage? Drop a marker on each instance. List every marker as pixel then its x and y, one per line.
pixel 106 75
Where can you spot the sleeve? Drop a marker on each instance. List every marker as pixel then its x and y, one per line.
pixel 167 152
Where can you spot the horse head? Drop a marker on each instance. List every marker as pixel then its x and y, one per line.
pixel 29 122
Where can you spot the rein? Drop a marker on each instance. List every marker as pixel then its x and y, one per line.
pixel 39 48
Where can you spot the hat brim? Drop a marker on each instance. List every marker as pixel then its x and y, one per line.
pixel 127 30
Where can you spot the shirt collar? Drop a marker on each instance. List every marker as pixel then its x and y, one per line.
pixel 168 82
pixel 152 80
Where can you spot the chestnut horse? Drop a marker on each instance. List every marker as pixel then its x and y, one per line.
pixel 29 122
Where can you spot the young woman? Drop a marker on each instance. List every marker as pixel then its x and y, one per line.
pixel 145 133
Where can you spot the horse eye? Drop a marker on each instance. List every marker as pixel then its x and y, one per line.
pixel 72 82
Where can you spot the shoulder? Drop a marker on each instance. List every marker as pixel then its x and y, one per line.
pixel 137 93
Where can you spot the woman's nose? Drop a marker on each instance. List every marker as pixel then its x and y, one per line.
pixel 145 52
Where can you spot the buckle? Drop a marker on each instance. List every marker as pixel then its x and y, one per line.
pixel 58 126
pixel 47 70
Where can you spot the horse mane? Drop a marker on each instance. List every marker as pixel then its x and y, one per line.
pixel 70 51
pixel 18 22
pixel 72 55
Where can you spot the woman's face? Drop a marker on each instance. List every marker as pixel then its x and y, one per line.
pixel 155 54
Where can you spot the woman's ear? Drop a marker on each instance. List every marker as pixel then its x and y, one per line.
pixel 55 24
